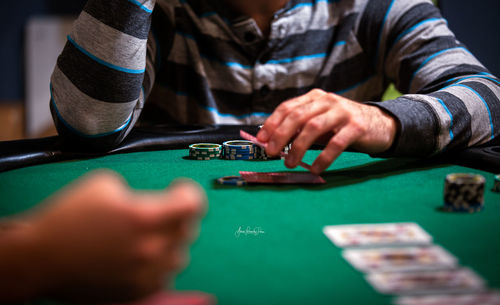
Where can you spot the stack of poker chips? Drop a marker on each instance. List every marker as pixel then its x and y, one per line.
pixel 262 154
pixel 231 150
pixel 496 185
pixel 240 150
pixel 464 193
pixel 205 151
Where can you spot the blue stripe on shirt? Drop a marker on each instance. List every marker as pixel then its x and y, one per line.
pixel 102 62
pixel 226 63
pixel 243 116
pixel 297 6
pixel 144 8
pixel 449 113
pixel 414 28
pixel 382 29
pixel 79 133
pixel 214 110
pixel 431 57
pixel 293 59
pixel 461 78
pixel 485 105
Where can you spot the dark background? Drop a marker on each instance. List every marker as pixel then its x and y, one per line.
pixel 13 17
pixel 475 23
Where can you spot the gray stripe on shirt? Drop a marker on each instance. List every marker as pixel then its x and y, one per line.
pixel 149 4
pixel 411 42
pixel 440 64
pixel 85 114
pixel 481 130
pixel 109 44
pixel 396 11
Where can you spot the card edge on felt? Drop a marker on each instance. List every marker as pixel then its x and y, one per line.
pixel 481 287
pixel 452 264
pixel 398 298
pixel 429 239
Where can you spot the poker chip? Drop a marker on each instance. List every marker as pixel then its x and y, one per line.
pixel 205 151
pixel 464 193
pixel 496 184
pixel 238 144
pixel 239 150
pixel 232 180
pixel 262 154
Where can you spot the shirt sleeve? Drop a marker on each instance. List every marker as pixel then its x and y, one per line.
pixel 104 73
pixel 451 100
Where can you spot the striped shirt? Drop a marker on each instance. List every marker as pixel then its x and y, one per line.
pixel 199 62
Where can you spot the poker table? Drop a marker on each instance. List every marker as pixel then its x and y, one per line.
pixel 284 258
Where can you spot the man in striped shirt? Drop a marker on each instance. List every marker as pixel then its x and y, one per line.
pixel 238 61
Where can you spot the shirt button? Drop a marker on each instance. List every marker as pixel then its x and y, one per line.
pixel 249 37
pixel 264 91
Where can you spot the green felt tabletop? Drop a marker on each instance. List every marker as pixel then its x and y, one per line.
pixel 291 262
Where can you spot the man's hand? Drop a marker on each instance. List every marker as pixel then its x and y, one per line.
pixel 98 241
pixel 332 120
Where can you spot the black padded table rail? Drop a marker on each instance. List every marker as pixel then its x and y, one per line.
pixel 22 153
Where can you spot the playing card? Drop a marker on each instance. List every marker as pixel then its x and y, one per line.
pixel 425 282
pixel 282 178
pixel 482 298
pixel 377 234
pixel 400 259
pixel 245 135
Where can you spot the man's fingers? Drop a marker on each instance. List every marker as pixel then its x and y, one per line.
pixel 279 114
pixel 293 122
pixel 337 144
pixel 319 125
pixel 183 201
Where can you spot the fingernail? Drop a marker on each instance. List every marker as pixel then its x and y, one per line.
pixel 290 159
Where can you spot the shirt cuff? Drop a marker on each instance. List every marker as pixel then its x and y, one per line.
pixel 418 128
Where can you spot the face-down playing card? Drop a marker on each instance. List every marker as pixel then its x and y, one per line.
pixel 281 178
